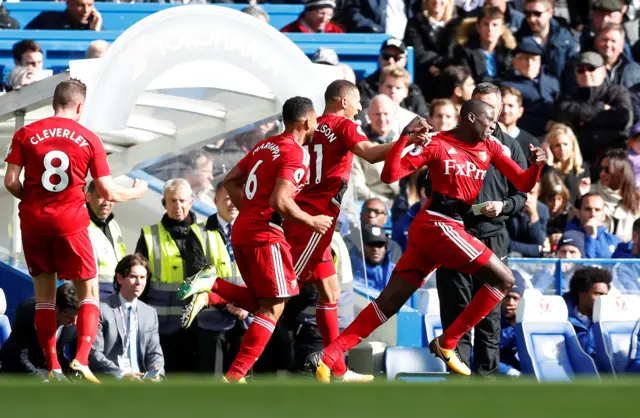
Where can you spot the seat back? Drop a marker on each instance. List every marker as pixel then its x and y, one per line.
pixel 427 301
pixel 5 326
pixel 404 362
pixel 547 343
pixel 614 318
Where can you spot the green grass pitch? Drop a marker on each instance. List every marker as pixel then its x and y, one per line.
pixel 263 398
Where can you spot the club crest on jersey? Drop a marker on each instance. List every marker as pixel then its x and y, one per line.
pixel 483 156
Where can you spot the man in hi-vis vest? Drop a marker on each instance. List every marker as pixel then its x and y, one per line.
pixel 106 238
pixel 176 248
pixel 220 325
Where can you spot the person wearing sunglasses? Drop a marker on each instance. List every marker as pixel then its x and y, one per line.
pixel 556 41
pixel 599 113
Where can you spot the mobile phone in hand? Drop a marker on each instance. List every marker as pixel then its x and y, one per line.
pixel 151 374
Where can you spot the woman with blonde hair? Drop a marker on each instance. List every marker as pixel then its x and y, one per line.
pixel 431 32
pixel 618 190
pixel 565 159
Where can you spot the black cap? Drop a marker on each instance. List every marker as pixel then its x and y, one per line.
pixel 394 43
pixel 608 5
pixel 529 46
pixel 590 58
pixel 372 234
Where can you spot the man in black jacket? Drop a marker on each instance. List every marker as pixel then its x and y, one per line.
pixel 456 290
pixel 22 352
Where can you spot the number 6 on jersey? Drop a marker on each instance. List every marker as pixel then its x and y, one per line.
pixel 252 182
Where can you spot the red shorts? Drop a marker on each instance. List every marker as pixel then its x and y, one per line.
pixel 70 256
pixel 267 269
pixel 440 242
pixel 311 253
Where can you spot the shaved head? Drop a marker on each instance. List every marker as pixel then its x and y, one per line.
pixel 477 120
pixel 342 98
pixel 476 107
pixel 69 94
pixel 338 90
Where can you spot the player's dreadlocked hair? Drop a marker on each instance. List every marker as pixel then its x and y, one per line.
pixel 69 93
pixel 296 109
pixel 338 90
pixel 586 277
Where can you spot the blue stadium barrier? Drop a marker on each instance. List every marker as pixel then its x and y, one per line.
pixel 16 284
pixel 359 51
pixel 121 16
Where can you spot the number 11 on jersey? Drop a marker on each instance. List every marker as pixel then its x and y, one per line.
pixel 317 150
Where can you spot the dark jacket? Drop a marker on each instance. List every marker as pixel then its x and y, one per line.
pixel 587 40
pixel 190 248
pixel 414 101
pixel 538 98
pixel 525 139
pixel 508 348
pixel 559 49
pixel 368 16
pixel 400 231
pixel 468 52
pixel 526 238
pixel 597 129
pixel 571 180
pixel 496 187
pixel 6 21
pixel 22 352
pixel 57 20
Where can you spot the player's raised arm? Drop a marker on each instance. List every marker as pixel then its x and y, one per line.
pixel 234 183
pixel 396 166
pixel 373 153
pixel 113 192
pixel 523 180
pixel 282 200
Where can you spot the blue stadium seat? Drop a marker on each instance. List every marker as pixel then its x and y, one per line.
pixel 432 326
pixel 547 343
pixel 5 326
pixel 416 361
pixel 614 318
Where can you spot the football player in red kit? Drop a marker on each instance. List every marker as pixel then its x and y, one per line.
pixel 263 186
pixel 56 153
pixel 457 162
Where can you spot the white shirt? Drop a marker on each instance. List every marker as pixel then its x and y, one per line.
pixel 396 18
pixel 132 333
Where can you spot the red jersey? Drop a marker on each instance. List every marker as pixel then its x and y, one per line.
pixel 457 169
pixel 330 162
pixel 278 156
pixel 56 154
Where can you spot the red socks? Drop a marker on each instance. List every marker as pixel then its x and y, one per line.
pixel 364 324
pixel 238 295
pixel 46 326
pixel 253 343
pixel 327 321
pixel 487 298
pixel 87 326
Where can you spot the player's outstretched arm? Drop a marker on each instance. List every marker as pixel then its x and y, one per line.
pixel 414 132
pixel 12 180
pixel 523 180
pixel 234 183
pixel 282 201
pixel 396 166
pixel 113 192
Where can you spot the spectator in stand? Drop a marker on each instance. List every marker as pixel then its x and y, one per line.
pixel 626 277
pixel 431 33
pixel 633 151
pixel 539 89
pixel 556 41
pixel 316 18
pixel 200 176
pixel 326 56
pixel 6 21
pixel 392 53
pixel 442 115
pixel 591 221
pixel 374 212
pixel 565 159
pixel 20 77
pixel 603 12
pixel 371 16
pixel 485 46
pixel 555 195
pixel 379 261
pixel 528 228
pixel 621 198
pixel 257 12
pixel 599 114
pixel 585 286
pixel 97 49
pixel 348 72
pixel 569 247
pixel 513 18
pixel 381 129
pixel 79 15
pixel 400 230
pixel 509 362
pixel 395 82
pixel 512 111
pixel 634 351
pixel 28 53
pixel 622 70
pixel 457 84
